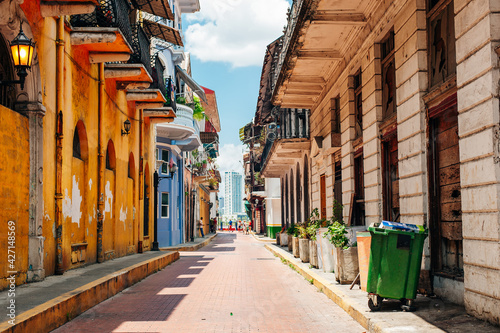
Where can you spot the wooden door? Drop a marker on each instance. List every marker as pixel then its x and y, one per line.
pixel 323 196
pixel 359 192
pixel 445 194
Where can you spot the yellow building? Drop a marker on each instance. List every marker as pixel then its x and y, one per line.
pixel 78 140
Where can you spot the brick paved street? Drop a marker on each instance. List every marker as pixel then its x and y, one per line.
pixel 231 285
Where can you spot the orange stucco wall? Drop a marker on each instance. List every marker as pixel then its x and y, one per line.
pixel 14 193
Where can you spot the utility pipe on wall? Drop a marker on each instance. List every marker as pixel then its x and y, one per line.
pixel 59 269
pixel 100 165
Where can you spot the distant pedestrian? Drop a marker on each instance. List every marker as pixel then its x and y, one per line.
pixel 231 225
pixel 201 227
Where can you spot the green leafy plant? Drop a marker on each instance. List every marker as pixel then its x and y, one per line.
pixel 290 230
pixel 198 110
pixel 180 100
pixel 336 235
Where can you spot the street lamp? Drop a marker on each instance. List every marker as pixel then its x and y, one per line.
pixel 156 181
pixel 126 125
pixel 22 54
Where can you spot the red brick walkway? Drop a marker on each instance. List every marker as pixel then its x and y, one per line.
pixel 231 285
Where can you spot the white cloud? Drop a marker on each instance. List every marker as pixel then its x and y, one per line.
pixel 235 31
pixel 230 159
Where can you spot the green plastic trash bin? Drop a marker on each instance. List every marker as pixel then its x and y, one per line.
pixel 394 269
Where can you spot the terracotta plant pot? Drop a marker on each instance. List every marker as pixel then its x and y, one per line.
pixel 304 249
pixel 290 243
pixel 313 253
pixel 347 265
pixel 284 239
pixel 295 248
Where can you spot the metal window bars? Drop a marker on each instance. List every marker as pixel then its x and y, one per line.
pixel 166 86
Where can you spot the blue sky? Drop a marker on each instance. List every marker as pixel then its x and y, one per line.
pixel 227 41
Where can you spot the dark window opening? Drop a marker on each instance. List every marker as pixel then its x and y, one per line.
pixel 77 151
pixel 7 92
pixel 359 188
pixel 388 76
pixel 358 104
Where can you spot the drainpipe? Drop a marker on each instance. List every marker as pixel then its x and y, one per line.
pixel 59 270
pixel 100 165
pixel 141 181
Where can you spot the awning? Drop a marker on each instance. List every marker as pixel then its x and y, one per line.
pixel 191 83
pixel 161 31
pixel 156 7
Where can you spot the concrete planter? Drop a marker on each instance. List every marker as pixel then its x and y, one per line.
pixel 313 253
pixel 326 252
pixel 284 239
pixel 347 265
pixel 278 239
pixel 290 243
pixel 304 249
pixel 295 247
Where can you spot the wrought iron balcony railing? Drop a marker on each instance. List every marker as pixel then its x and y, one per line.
pixel 164 85
pixel 141 46
pixel 293 124
pixel 108 14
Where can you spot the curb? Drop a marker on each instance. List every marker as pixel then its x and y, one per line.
pixel 372 321
pixel 263 240
pixel 190 247
pixel 58 311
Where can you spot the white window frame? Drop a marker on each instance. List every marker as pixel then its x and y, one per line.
pixel 165 205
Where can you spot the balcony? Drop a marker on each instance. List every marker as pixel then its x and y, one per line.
pixel 319 34
pixel 105 32
pixel 181 128
pixel 164 85
pixel 141 47
pixel 292 138
pixel 51 8
pixel 192 142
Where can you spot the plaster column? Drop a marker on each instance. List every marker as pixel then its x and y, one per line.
pixel 35 112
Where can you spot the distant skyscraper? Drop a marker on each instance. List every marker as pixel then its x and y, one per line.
pixel 233 193
pixel 221 205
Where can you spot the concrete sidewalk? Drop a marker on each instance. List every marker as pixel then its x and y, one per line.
pixel 46 305
pixel 262 238
pixel 432 315
pixel 197 244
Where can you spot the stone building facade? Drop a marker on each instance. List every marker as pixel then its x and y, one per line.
pixel 404 123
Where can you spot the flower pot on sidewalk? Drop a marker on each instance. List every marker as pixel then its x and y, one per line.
pixel 290 243
pixel 284 239
pixel 278 238
pixel 313 253
pixel 326 252
pixel 295 248
pixel 304 249
pixel 347 265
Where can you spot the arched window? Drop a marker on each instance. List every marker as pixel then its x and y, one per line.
pixel 80 142
pixel 299 194
pixel 131 166
pixel 7 92
pixel 306 187
pixel 110 156
pixel 292 199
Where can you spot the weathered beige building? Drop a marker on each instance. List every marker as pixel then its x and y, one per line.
pixel 404 125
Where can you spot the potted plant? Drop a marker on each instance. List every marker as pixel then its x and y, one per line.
pixel 326 251
pixel 290 232
pixel 313 224
pixel 295 243
pixel 303 242
pixel 283 237
pixel 347 266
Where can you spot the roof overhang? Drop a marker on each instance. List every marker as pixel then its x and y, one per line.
pixel 191 83
pixel 155 7
pixel 317 45
pixel 162 31
pixel 284 153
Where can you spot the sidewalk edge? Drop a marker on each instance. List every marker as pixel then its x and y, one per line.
pixel 58 311
pixel 338 296
pixel 191 247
